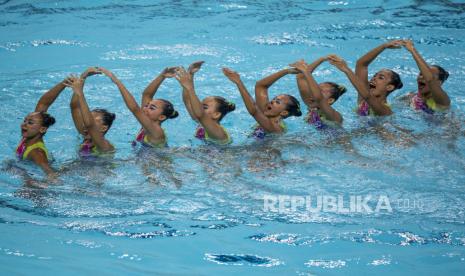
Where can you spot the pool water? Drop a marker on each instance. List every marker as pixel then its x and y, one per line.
pixel 199 209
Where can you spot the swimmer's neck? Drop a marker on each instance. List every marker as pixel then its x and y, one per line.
pixel 33 140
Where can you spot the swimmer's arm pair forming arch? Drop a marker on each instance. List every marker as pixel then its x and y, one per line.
pixel 262 86
pixel 193 68
pixel 361 67
pixel 212 127
pixel 249 102
pixel 330 113
pixel 74 103
pixel 302 85
pixel 155 132
pixel 88 120
pixel 378 107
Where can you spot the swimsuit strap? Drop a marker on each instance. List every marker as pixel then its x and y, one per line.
pixel 144 140
pixel 363 108
pixel 258 132
pixel 418 103
pixel 316 119
pixel 21 148
pixel 202 134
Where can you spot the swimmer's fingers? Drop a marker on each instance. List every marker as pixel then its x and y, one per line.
pixel 408 44
pixel 105 71
pixel 231 75
pixel 181 75
pixel 195 66
pixel 334 57
pixel 69 81
pixel 300 65
pixel 92 71
pixel 169 72
pixel 394 44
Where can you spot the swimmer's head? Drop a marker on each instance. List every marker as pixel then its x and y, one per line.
pixel 36 124
pixel 438 72
pixel 332 91
pixel 283 105
pixel 384 82
pixel 160 110
pixel 220 105
pixel 103 120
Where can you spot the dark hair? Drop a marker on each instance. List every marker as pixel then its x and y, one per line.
pixel 168 109
pixel 443 74
pixel 224 107
pixel 47 119
pixel 337 90
pixel 395 80
pixel 293 107
pixel 107 117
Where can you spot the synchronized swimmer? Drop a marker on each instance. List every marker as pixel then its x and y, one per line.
pixel 208 113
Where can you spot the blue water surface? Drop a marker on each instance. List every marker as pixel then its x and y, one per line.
pixel 199 209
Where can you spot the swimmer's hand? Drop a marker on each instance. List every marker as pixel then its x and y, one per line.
pixel 75 83
pixel 169 72
pixel 299 65
pixel 338 62
pixel 408 44
pixel 394 44
pixel 90 72
pixel 184 78
pixel 232 75
pixel 195 66
pixel 109 74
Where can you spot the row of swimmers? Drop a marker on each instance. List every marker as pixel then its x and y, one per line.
pixel 208 113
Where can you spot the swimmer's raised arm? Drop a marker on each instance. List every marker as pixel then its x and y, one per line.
pixel 74 104
pixel 135 109
pixel 312 66
pixel 249 102
pixel 212 127
pixel 193 68
pixel 152 88
pixel 187 83
pixel 262 86
pixel 434 84
pixel 315 92
pixel 361 68
pixel 235 78
pixel 77 84
pixel 302 85
pixel 378 107
pixel 50 96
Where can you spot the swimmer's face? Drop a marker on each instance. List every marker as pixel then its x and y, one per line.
pixel 327 92
pixel 32 126
pixel 423 86
pixel 380 83
pixel 277 106
pixel 154 110
pixel 98 119
pixel 210 108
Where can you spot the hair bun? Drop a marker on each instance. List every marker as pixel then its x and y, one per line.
pixel 342 89
pixel 231 106
pixel 174 114
pixel 47 119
